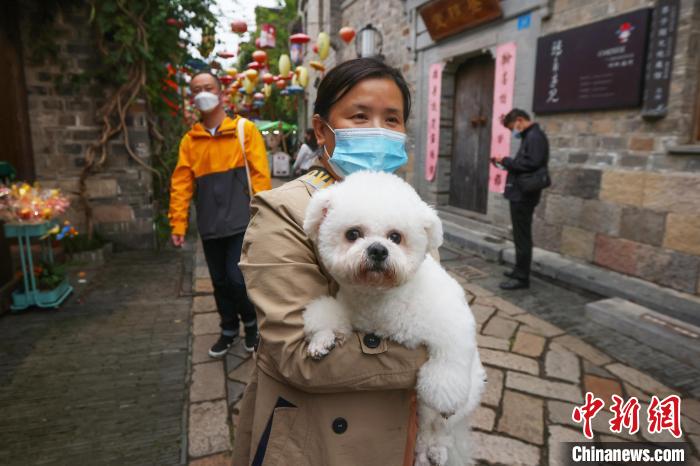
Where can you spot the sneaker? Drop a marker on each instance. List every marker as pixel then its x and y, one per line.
pixel 251 339
pixel 222 346
pixel 510 274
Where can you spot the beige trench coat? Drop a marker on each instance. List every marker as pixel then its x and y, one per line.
pixel 354 407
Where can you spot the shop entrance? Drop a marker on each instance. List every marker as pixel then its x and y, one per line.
pixel 471 136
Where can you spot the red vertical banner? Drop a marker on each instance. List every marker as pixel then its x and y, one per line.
pixel 432 145
pixel 502 104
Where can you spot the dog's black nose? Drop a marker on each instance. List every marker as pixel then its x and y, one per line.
pixel 377 252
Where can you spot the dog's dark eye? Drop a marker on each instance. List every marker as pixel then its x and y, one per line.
pixel 395 237
pixel 353 234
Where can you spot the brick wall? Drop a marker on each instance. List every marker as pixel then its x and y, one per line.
pixel 619 199
pixel 63 126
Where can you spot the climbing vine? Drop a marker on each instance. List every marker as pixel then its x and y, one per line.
pixel 139 45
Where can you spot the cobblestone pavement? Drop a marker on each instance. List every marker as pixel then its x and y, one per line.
pixel 541 355
pixel 102 380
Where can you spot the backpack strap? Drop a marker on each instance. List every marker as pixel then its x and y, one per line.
pixel 241 139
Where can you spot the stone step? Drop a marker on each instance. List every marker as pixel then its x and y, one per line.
pixel 482 240
pixel 672 336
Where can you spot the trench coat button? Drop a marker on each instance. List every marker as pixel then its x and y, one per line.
pixel 371 340
pixel 340 425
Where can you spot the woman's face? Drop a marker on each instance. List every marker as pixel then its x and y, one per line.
pixel 371 103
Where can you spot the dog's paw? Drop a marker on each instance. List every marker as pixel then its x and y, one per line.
pixel 437 454
pixel 321 344
pixel 421 458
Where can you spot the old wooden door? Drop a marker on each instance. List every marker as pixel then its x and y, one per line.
pixel 471 137
pixel 15 143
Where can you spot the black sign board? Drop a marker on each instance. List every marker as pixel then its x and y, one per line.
pixel 593 67
pixel 662 43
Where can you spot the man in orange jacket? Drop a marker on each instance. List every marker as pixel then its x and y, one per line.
pixel 212 162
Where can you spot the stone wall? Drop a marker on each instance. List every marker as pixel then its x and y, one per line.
pixel 619 199
pixel 391 19
pixel 63 125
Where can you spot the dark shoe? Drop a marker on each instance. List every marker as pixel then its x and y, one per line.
pixel 251 339
pixel 222 346
pixel 514 284
pixel 509 273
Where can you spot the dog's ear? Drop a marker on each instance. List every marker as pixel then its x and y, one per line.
pixel 433 227
pixel 316 211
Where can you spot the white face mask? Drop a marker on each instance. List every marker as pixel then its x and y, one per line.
pixel 206 101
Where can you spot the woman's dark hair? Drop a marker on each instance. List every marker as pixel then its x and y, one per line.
pixel 345 76
pixel 311 138
pixel 513 115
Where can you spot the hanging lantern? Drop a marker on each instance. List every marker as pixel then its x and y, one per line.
pixel 299 38
pixel 260 56
pixel 225 79
pixel 267 78
pixel 284 64
pixel 302 76
pixel 324 44
pixel 369 43
pixel 233 72
pixel 296 52
pixel 318 66
pixel 258 96
pixel 347 34
pixel 251 74
pixel 239 26
pixel 281 83
pixel 174 22
pixel 267 90
pixel 248 85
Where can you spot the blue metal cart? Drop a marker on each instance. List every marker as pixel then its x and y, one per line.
pixel 32 296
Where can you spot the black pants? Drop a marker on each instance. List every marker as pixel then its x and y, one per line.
pixel 521 217
pixel 223 255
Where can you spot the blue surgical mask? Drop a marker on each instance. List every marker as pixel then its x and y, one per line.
pixel 517 134
pixel 377 149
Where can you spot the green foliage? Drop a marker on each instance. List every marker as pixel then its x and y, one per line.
pixel 277 107
pixel 82 243
pixel 134 45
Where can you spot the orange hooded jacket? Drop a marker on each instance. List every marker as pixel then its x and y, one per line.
pixel 214 169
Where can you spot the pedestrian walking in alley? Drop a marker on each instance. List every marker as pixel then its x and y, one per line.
pixel 527 177
pixel 224 159
pixel 306 155
pixel 357 405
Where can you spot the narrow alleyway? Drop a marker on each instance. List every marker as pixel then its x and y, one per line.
pixel 102 380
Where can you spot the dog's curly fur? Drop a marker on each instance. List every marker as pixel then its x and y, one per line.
pixel 406 296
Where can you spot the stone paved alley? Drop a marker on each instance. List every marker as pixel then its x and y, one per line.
pixel 102 380
pixel 540 358
pixel 120 375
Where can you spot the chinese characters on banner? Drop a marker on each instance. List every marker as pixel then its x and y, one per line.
pixel 660 58
pixel 553 94
pixel 660 415
pixel 502 104
pixel 433 137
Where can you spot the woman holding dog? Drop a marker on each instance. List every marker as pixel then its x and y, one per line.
pixel 357 405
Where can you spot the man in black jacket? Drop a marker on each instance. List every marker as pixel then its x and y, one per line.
pixel 532 156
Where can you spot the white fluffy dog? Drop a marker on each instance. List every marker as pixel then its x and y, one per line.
pixel 374 235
